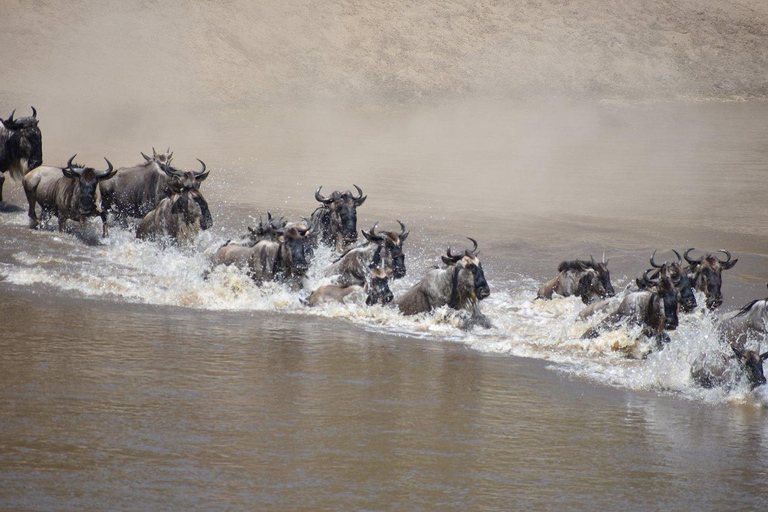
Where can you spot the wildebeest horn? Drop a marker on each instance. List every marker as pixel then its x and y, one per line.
pixel 359 193
pixel 452 256
pixel 169 171
pixel 70 165
pixel 109 169
pixel 679 259
pixel 34 112
pixel 201 163
pixel 372 232
pixel 320 198
pixel 148 159
pixel 604 258
pixel 592 259
pixel 167 151
pixel 689 260
pixel 653 260
pixel 474 243
pixel 10 119
pixel 402 228
pixel 651 280
pixel 154 153
pixel 726 253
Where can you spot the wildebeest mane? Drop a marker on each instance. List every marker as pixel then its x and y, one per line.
pixel 575 265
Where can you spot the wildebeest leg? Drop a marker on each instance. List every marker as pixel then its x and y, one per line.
pixel 2 180
pixel 62 223
pixel 104 228
pixel 33 222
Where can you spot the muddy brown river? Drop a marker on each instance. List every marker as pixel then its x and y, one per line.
pixel 128 381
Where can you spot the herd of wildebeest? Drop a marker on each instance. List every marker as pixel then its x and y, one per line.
pixel 172 209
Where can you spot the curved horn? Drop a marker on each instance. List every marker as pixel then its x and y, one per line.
pixel 452 256
pixel 109 169
pixel 372 232
pixel 726 253
pixel 201 163
pixel 10 119
pixel 169 171
pixel 34 112
pixel 474 242
pixel 402 228
pixel 154 153
pixel 69 162
pixel 145 156
pixel 592 260
pixel 359 193
pixel 689 260
pixel 653 260
pixel 679 258
pixel 320 198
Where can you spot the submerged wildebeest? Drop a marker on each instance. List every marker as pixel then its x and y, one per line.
pixel 706 275
pixel 461 286
pixel 750 323
pixel 383 250
pixel 679 278
pixel 21 147
pixel 335 222
pixel 716 369
pixel 655 309
pixel 376 291
pixel 586 279
pixel 68 193
pixel 137 190
pixel 282 259
pixel 177 217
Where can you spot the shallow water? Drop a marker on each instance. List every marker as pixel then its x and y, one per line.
pixel 131 381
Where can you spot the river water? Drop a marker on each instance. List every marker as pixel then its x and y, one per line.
pixel 129 381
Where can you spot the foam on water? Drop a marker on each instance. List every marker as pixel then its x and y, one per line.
pixel 124 269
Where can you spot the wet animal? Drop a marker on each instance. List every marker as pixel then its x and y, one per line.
pixel 680 279
pixel 718 370
pixel 748 323
pixel 21 147
pixel 461 285
pixel 177 217
pixel 382 250
pixel 335 221
pixel 706 274
pixel 655 309
pixel 376 290
pixel 586 279
pixel 137 190
pixel 68 193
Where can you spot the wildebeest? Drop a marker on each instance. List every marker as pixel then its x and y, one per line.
pixel 655 309
pixel 586 279
pixel 461 285
pixel 335 222
pixel 282 259
pixel 679 278
pixel 68 193
pixel 748 323
pixel 21 147
pixel 383 250
pixel 716 369
pixel 137 190
pixel 176 217
pixel 376 291
pixel 706 275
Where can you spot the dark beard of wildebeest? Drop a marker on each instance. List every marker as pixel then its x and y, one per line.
pixel 21 147
pixel 680 279
pixel 461 285
pixel 376 289
pixel 586 279
pixel 711 370
pixel 135 191
pixel 655 309
pixel 336 220
pixel 177 217
pixel 68 193
pixel 383 250
pixel 706 274
pixel 282 259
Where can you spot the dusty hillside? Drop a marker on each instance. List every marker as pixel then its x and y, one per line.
pixel 242 53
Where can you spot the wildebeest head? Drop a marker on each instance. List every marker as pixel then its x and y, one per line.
pixel 664 303
pixel 604 286
pixel 193 179
pixel 706 274
pixel 378 288
pixel 679 278
pixel 86 182
pixel 25 141
pixel 469 284
pixel 293 249
pixel 389 253
pixel 182 190
pixel 595 279
pixel 753 365
pixel 159 158
pixel 342 213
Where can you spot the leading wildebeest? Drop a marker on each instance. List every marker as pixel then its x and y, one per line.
pixel 177 217
pixel 461 285
pixel 282 259
pixel 68 193
pixel 376 291
pixel 655 309
pixel 716 369
pixel 135 191
pixel 586 279
pixel 383 250
pixel 335 222
pixel 21 147
pixel 706 274
pixel 679 278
